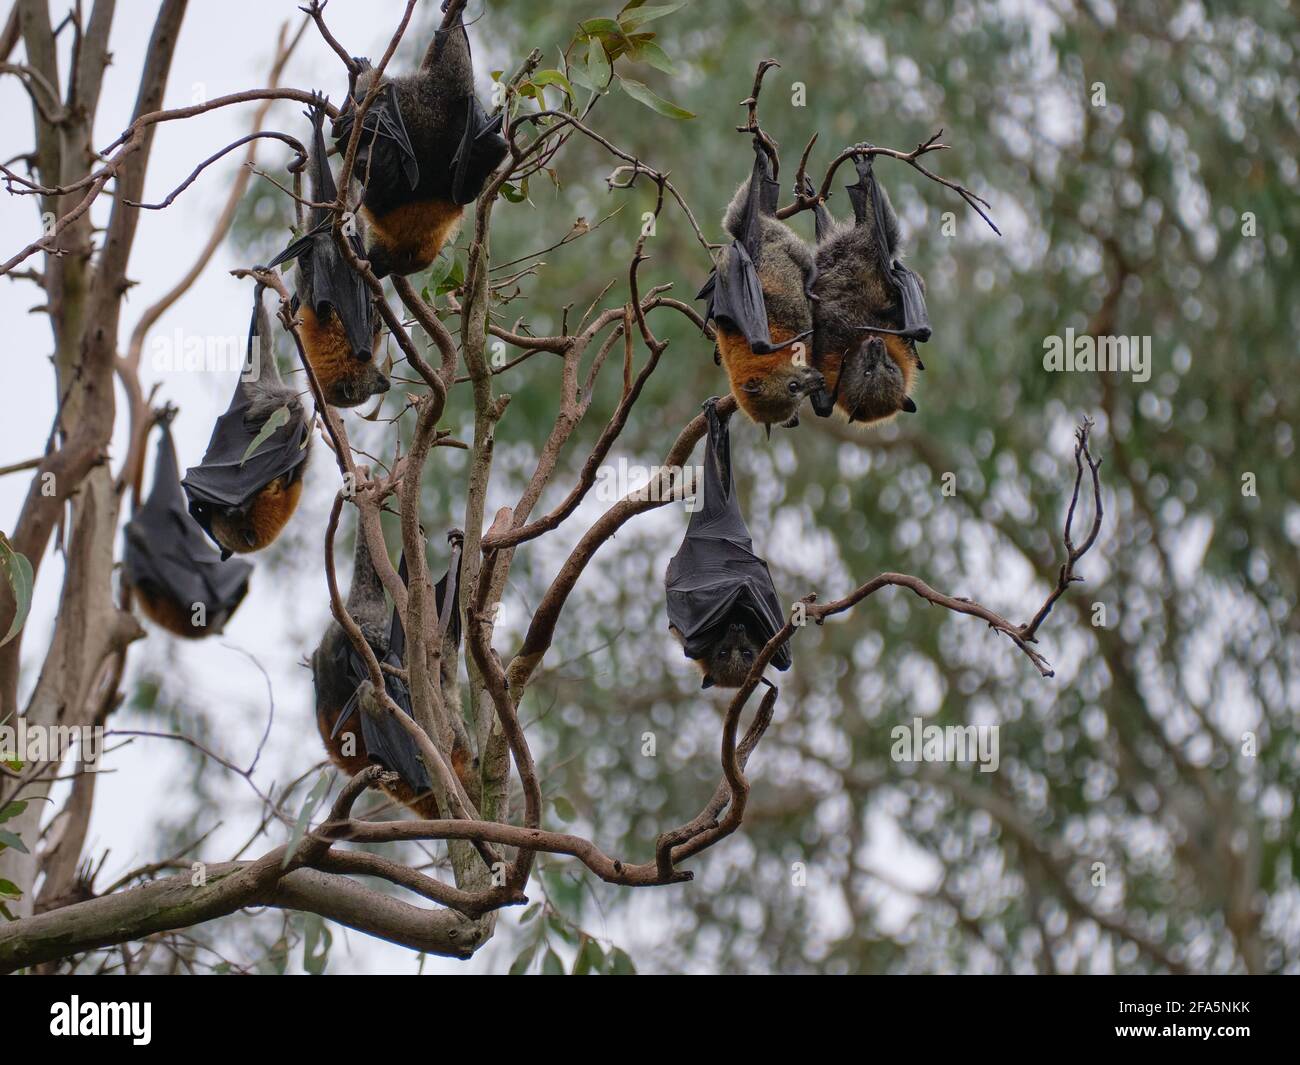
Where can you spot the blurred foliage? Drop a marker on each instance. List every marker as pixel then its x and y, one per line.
pixel 1126 219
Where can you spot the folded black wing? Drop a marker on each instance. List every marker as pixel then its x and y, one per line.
pixel 734 290
pixel 869 209
pixel 387 741
pixel 715 579
pixel 229 478
pixel 167 553
pixel 385 150
pixel 481 148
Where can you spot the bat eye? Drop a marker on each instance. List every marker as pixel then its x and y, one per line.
pixel 793 386
pixel 747 656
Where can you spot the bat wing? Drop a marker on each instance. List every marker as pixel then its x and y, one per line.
pixel 734 290
pixel 387 741
pixel 736 300
pixel 869 209
pixel 715 578
pixel 225 479
pixel 385 148
pixel 481 149
pixel 167 553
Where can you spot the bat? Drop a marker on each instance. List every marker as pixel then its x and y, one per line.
pixel 427 148
pixel 180 582
pixel 338 324
pixel 870 311
pixel 722 605
pixel 342 681
pixel 246 489
pixel 759 297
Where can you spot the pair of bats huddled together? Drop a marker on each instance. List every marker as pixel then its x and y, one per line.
pixel 837 323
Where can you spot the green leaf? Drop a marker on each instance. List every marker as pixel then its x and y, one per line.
pixel 10 839
pixel 18 571
pixel 316 934
pixel 522 960
pixel 9 890
pixel 515 193
pixel 146 693
pixel 553 77
pixel 651 53
pixel 563 808
pixel 278 418
pixel 631 19
pixel 438 272
pixel 590 957
pixel 551 964
pixel 598 70
pixel 620 964
pixel 594 26
pixel 643 95
pixel 530 913
pixel 313 800
pixel 557 925
pixel 11 810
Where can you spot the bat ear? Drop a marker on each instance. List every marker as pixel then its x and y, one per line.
pixel 708 682
pixel 753 386
pixel 908 405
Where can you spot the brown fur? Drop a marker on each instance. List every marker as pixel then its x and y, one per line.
pixel 170 615
pixel 341 376
pixel 900 350
pixel 774 402
pixel 414 233
pixel 266 516
pixel 425 806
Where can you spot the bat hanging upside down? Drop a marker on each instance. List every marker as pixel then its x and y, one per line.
pixel 338 323
pixel 722 605
pixel 354 734
pixel 245 490
pixel 759 298
pixel 175 576
pixel 870 310
pixel 427 147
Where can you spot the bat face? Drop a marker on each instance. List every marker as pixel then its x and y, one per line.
pixel 875 378
pixel 730 660
pixel 768 388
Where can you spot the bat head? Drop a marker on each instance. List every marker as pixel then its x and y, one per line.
pixel 875 378
pixel 729 661
pixel 356 387
pixel 775 394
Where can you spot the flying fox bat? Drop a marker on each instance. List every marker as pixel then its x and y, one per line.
pixel 342 681
pixel 870 311
pixel 722 604
pixel 427 147
pixel 245 490
pixel 339 327
pixel 759 297
pixel 180 582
